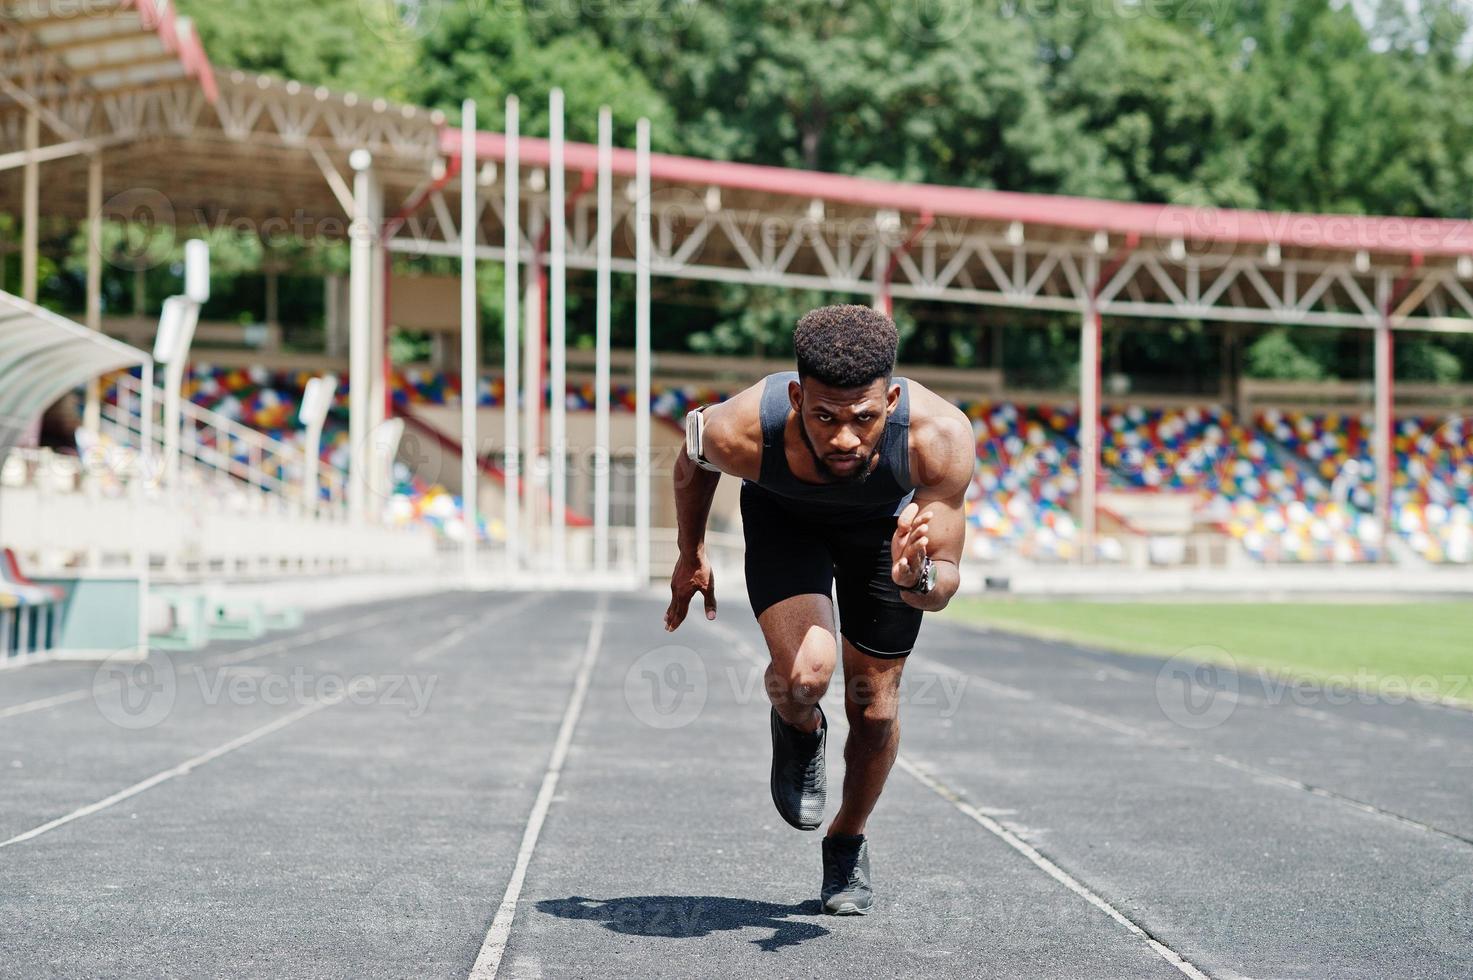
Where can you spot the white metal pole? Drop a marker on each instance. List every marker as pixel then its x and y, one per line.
pixel 92 413
pixel 140 525
pixel 558 337
pixel 642 259
pixel 30 210
pixel 310 463
pixel 316 402
pixel 511 333
pixel 173 422
pixel 881 298
pixel 360 326
pixel 378 366
pixel 601 460
pixel 1385 426
pixel 1089 427
pixel 178 356
pixel 532 367
pixel 469 348
pixel 145 417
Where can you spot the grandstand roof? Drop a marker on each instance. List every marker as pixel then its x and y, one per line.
pixel 42 357
pixel 106 47
pixel 1391 235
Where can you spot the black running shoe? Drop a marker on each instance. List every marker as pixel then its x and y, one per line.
pixel 846 888
pixel 798 784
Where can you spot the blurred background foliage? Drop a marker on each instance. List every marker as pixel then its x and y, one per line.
pixel 1301 105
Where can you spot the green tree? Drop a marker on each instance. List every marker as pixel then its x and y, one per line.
pixel 486 51
pixel 855 89
pixel 347 44
pixel 1420 359
pixel 1156 95
pixel 1275 355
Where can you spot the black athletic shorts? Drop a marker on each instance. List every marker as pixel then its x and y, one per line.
pixel 789 554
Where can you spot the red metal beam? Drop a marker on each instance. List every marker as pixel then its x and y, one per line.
pixel 1163 222
pixel 1384 449
pixel 887 302
pixel 1095 324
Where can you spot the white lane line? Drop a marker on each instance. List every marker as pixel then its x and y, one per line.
pixel 181 769
pixel 1050 868
pixel 1257 701
pixel 1461 703
pixel 353 625
pixel 1113 725
pixel 41 704
pixel 246 654
pixel 1159 742
pixel 239 742
pixel 1007 836
pixel 1329 794
pixel 488 961
pixel 513 607
pixel 233 657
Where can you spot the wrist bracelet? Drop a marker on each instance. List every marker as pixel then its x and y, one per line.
pixel 926 581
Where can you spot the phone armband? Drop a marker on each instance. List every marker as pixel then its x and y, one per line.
pixel 695 427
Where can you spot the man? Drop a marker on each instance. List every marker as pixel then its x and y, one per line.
pixel 848 476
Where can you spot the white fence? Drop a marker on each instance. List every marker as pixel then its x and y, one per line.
pixel 55 520
pixel 241 504
pixel 217 450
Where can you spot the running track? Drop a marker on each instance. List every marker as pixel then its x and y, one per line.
pixel 549 785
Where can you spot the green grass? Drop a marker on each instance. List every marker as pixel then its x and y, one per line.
pixel 1428 645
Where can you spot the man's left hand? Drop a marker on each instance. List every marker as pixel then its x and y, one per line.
pixel 908 545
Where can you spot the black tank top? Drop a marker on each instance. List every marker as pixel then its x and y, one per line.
pixel 885 493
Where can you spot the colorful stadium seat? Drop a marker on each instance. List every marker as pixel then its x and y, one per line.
pixel 1289 486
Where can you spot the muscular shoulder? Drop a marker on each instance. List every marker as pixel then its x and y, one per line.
pixel 943 450
pixel 733 433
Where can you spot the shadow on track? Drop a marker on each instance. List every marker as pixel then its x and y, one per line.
pixel 691 916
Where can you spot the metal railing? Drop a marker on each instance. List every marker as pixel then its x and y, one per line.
pixel 224 451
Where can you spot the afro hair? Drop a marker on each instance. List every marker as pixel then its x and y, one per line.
pixel 845 346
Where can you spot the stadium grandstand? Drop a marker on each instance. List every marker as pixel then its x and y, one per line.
pixel 113 115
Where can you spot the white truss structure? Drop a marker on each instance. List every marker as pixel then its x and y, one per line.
pixel 1154 279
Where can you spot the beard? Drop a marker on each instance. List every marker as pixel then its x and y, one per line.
pixel 861 472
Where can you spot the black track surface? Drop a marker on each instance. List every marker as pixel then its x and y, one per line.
pixel 375 836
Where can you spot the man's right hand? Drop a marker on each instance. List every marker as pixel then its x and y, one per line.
pixel 692 574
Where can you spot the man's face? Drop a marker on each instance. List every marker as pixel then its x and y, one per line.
pixel 843 428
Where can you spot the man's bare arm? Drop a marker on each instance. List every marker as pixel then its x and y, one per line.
pixel 694 490
pixel 727 445
pixel 948 460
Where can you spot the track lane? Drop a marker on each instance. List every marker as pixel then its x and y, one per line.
pixel 363 841
pixel 664 857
